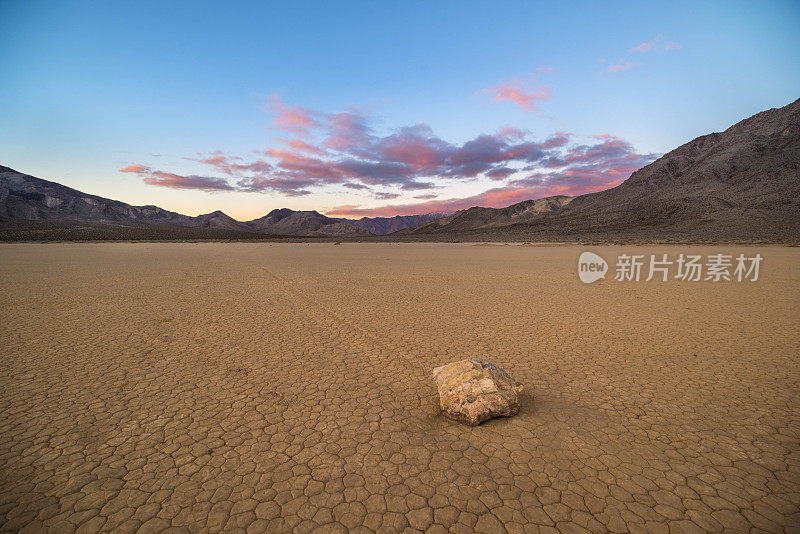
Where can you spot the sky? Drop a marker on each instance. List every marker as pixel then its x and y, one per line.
pixel 375 108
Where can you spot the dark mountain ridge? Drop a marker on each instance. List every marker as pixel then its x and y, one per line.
pixel 387 225
pixel 303 223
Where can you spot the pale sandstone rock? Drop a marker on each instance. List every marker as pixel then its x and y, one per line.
pixel 472 391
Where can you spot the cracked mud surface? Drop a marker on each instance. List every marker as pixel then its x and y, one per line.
pixel 287 387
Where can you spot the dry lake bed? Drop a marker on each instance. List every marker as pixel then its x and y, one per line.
pixel 287 387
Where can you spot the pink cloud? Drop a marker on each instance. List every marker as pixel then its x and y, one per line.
pixel 347 129
pixel 227 165
pixel 349 153
pixel 655 44
pixel 580 170
pixel 136 168
pixel 177 181
pixel 622 65
pixel 302 146
pixel 401 158
pixel 219 161
pixel 647 46
pixel 512 132
pixel 557 140
pixel 517 93
pixel 642 47
pixel 295 119
pixel 415 146
pixel 259 166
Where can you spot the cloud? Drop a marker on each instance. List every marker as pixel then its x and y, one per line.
pixel 414 185
pixel 622 65
pixel 138 169
pixel 259 166
pixel 646 46
pixel 177 181
pixel 500 172
pixel 516 92
pixel 654 44
pixel 349 152
pixel 579 170
pixel 228 166
pixel 294 119
pixel 277 184
pixel 497 197
pixel 346 130
pixel 302 146
pixel 343 149
pixel 351 185
pixel 512 133
pixel 586 168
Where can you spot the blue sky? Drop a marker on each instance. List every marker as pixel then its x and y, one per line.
pixel 409 107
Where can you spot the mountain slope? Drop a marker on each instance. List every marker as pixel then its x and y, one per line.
pixel 219 221
pixel 302 223
pixel 24 197
pixel 387 225
pixel 487 218
pixel 741 184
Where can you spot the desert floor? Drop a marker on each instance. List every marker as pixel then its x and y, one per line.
pixel 174 387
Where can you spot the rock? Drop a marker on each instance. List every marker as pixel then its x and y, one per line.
pixel 472 391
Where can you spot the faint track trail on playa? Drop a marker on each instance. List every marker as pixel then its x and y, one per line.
pixel 326 314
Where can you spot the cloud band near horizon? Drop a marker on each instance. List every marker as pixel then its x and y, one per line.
pixel 342 150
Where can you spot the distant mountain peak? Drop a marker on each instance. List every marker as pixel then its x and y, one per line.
pixel 285 221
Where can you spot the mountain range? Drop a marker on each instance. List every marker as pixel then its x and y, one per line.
pixel 33 204
pixel 742 184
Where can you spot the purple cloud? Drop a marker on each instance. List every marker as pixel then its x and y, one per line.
pixel 344 149
pixel 176 181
